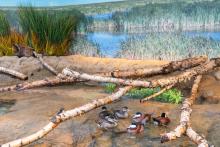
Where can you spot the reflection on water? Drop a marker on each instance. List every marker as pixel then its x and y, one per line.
pixel 5 106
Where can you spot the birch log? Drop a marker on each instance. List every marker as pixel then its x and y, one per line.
pixel 65 115
pixel 183 76
pixel 47 66
pixel 168 68
pixel 39 83
pixel 185 114
pixel 13 73
pixel 157 94
pixel 195 137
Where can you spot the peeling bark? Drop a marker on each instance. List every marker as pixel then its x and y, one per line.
pixel 183 76
pixel 47 66
pixel 157 94
pixel 168 68
pixel 65 115
pixel 13 73
pixel 185 114
pixel 39 83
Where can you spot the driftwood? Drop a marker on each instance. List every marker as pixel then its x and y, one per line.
pixel 65 115
pixel 13 73
pixel 157 94
pixel 168 68
pixel 47 66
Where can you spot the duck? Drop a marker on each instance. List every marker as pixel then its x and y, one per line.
pixel 106 123
pixel 106 114
pixel 121 114
pixel 135 128
pixel 162 120
pixel 141 118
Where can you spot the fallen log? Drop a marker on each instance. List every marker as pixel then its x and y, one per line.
pixel 168 68
pixel 13 73
pixel 157 94
pixel 47 66
pixel 185 75
pixel 195 137
pixel 65 115
pixel 185 114
pixel 39 83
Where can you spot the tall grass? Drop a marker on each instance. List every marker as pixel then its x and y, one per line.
pixel 4 25
pixel 168 46
pixel 50 32
pixel 169 16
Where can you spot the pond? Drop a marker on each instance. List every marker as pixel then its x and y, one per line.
pixel 110 43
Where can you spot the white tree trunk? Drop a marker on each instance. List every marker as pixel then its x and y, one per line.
pixel 13 73
pixel 65 115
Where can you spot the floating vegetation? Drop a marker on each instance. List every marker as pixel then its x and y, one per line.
pixel 110 87
pixel 168 46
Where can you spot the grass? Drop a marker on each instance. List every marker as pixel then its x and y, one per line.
pixel 170 96
pixel 4 25
pixel 171 16
pixel 50 33
pixel 168 46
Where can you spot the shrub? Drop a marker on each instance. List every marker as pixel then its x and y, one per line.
pixel 110 87
pixel 169 96
pixel 50 31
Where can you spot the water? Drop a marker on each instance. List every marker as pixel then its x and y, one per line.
pixel 46 3
pixel 110 43
pixel 5 105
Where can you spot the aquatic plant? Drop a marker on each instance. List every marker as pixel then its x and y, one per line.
pixel 169 96
pixel 110 87
pixel 51 32
pixel 167 46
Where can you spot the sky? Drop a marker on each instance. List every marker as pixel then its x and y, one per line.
pixel 49 2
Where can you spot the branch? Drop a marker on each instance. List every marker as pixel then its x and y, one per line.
pixel 39 83
pixel 157 94
pixel 168 68
pixel 65 115
pixel 47 66
pixel 195 137
pixel 185 114
pixel 188 74
pixel 13 73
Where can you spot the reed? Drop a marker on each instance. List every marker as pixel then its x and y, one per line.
pixel 51 32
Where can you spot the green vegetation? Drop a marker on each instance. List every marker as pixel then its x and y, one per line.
pixel 169 96
pixel 168 46
pixel 110 87
pixel 4 25
pixel 83 47
pixel 169 16
pixel 50 33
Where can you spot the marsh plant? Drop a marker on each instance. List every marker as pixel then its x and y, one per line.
pixel 81 46
pixel 168 46
pixel 9 37
pixel 169 96
pixel 170 16
pixel 50 32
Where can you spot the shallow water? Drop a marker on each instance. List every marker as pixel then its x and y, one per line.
pixel 34 108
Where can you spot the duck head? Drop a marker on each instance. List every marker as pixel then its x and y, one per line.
pixel 104 108
pixel 137 115
pixel 125 109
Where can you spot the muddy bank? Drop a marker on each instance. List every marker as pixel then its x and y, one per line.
pixel 33 108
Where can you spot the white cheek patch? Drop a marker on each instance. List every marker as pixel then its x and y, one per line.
pixel 132 127
pixel 137 115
